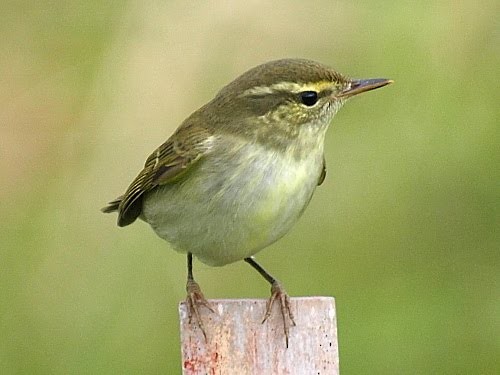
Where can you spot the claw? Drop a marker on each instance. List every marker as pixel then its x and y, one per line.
pixel 194 299
pixel 278 293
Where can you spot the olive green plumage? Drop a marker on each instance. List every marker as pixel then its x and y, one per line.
pixel 230 110
pixel 239 172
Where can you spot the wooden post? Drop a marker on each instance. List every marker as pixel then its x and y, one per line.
pixel 238 343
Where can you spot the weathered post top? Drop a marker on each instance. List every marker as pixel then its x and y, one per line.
pixel 238 343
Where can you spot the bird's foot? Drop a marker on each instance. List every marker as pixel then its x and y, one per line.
pixel 194 300
pixel 278 293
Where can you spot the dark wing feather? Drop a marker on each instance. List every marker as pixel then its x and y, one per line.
pixel 323 173
pixel 166 164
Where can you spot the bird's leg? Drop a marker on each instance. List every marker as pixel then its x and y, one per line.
pixel 277 293
pixel 195 297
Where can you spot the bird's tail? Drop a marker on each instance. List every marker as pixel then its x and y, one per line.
pixel 112 206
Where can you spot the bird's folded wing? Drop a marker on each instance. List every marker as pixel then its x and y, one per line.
pixel 165 165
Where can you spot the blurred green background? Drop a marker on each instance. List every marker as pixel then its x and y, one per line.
pixel 404 232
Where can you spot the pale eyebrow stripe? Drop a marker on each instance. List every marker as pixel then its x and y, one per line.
pixel 291 87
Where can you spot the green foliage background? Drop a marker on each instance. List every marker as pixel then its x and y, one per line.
pixel 404 232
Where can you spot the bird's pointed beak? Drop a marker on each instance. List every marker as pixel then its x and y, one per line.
pixel 358 86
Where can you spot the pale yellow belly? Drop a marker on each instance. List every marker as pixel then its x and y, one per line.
pixel 222 217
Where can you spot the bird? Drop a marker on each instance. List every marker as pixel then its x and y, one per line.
pixel 239 172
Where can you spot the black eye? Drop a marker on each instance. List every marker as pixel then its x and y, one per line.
pixel 309 98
